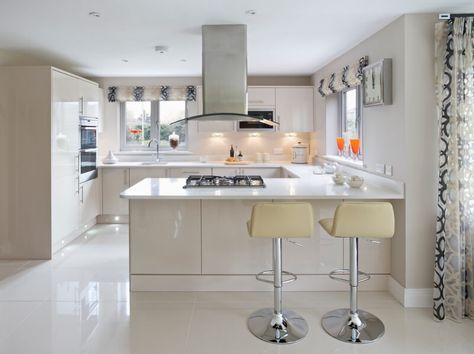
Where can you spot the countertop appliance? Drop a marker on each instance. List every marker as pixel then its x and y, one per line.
pixel 88 150
pixel 300 153
pixel 267 114
pixel 198 181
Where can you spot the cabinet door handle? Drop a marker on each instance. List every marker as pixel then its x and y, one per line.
pixel 81 105
pixel 77 185
pixel 125 177
pixel 82 194
pixel 190 172
pixel 78 161
pixel 256 101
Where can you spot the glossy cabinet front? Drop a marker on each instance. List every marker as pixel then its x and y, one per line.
pixel 64 156
pixel 114 182
pixel 165 237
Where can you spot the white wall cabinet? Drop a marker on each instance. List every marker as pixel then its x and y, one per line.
pixel 261 96
pixel 89 99
pixel 114 181
pixel 294 109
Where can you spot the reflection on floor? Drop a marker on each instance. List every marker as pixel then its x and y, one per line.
pixel 79 302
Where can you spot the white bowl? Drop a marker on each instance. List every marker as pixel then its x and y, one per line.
pixel 338 179
pixel 355 181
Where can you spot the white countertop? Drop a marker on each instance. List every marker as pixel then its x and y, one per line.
pixel 190 164
pixel 307 186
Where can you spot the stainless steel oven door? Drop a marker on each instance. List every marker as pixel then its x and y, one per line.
pixel 87 164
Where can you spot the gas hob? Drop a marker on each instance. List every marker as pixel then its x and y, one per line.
pixel 198 181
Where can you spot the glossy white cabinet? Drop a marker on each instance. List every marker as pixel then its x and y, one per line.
pixel 228 249
pixel 295 109
pixel 65 206
pixel 226 246
pixel 89 97
pixel 165 237
pixel 114 181
pixel 261 96
pixel 89 198
pixel 270 172
pixel 137 174
pixel 266 172
pixel 226 171
pixel 188 171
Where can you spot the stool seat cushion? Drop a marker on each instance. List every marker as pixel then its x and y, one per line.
pixel 283 220
pixel 361 219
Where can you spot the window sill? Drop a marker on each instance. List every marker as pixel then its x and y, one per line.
pixel 345 161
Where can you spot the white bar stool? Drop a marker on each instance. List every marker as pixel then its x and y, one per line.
pixel 277 221
pixel 353 220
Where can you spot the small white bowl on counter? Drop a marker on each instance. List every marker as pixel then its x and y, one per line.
pixel 355 181
pixel 338 179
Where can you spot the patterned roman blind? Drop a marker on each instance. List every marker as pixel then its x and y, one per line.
pixel 151 93
pixel 349 76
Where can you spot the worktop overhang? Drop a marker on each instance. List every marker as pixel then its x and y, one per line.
pixel 314 187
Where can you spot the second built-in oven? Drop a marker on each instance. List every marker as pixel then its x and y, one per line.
pixel 88 150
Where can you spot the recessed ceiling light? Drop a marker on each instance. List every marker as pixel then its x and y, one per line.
pixel 94 14
pixel 251 12
pixel 161 49
pixel 125 60
pixel 183 60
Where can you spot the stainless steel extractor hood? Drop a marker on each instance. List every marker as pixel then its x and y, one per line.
pixel 224 74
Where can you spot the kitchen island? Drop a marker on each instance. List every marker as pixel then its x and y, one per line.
pixel 195 239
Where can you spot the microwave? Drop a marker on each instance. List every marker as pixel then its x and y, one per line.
pixel 262 113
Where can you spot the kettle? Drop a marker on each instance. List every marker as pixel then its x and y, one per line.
pixel 300 153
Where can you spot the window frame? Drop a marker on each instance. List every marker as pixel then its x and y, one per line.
pixel 155 120
pixel 342 126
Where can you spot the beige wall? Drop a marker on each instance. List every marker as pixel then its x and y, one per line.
pixel 402 134
pixel 203 143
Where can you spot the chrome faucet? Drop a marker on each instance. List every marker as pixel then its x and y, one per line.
pixel 157 148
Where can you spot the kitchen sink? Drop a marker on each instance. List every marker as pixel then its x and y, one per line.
pixel 150 163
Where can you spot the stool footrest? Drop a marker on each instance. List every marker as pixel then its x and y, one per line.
pixel 260 276
pixel 339 275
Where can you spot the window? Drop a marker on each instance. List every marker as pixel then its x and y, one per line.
pixel 350 113
pixel 139 124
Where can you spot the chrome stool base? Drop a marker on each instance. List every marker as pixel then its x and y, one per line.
pixel 338 324
pixel 270 327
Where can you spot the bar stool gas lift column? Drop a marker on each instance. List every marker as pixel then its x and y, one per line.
pixel 353 220
pixel 277 221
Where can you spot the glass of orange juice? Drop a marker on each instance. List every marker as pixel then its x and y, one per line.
pixel 355 146
pixel 340 145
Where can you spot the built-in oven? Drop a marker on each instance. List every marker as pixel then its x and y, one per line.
pixel 261 113
pixel 88 150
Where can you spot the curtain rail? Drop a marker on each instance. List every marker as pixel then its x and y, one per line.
pixel 450 16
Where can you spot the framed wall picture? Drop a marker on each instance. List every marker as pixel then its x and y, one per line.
pixel 377 83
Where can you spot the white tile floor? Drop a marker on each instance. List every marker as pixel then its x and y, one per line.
pixel 79 302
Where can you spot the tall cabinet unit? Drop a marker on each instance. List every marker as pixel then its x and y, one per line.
pixel 44 204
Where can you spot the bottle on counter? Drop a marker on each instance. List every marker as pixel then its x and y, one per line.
pixel 240 157
pixel 232 153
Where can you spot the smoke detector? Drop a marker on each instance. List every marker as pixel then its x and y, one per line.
pixel 162 49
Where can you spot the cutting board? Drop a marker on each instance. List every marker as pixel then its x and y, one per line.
pixel 236 162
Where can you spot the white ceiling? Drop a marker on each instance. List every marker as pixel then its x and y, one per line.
pixel 284 37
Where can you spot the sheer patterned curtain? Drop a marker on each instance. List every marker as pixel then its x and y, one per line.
pixel 454 268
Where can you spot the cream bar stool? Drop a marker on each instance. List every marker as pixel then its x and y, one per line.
pixel 353 220
pixel 277 221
